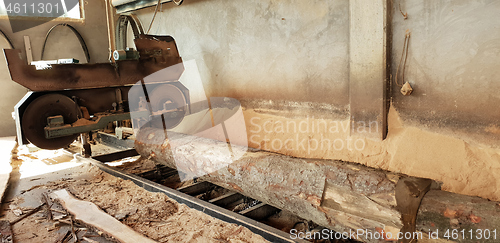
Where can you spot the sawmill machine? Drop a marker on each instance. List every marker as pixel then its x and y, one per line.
pixel 66 100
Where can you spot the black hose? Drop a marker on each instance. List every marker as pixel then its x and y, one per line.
pixel 80 38
pixel 121 30
pixel 7 39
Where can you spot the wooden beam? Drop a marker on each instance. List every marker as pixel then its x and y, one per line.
pixel 27 46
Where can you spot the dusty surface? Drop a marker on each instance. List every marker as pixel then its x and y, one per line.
pixel 152 214
pixel 32 169
pixel 89 214
pixel 38 172
pixel 463 166
pixel 38 227
pixel 6 146
pixel 155 215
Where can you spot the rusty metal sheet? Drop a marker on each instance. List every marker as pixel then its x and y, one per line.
pixel 85 76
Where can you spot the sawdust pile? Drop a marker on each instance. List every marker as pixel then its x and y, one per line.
pixel 154 214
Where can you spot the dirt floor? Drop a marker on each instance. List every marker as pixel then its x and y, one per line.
pixel 152 214
pixel 155 215
pixel 284 220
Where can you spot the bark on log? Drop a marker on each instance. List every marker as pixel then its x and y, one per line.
pixel 338 195
pixel 334 194
pixel 472 218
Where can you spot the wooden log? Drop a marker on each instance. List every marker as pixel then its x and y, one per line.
pixel 90 214
pixel 338 195
pixel 459 217
pixel 341 196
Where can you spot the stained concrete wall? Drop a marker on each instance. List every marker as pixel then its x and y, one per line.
pixel 299 51
pixel 288 63
pixel 61 44
pixel 280 50
pixel 453 59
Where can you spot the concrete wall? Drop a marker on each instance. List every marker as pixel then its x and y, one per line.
pixel 61 44
pixel 299 51
pixel 281 50
pixel 453 59
pixel 289 63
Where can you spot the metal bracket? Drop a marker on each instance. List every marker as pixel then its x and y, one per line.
pixel 56 127
pixel 409 195
pixel 55 121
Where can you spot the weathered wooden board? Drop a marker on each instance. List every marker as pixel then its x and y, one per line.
pixel 90 214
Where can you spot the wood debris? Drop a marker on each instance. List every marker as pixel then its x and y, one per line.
pixel 90 214
pixel 5 232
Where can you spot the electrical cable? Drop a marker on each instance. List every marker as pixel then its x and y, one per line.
pixel 405 15
pixel 405 55
pixel 154 16
pixel 80 39
pixel 7 39
pixel 178 3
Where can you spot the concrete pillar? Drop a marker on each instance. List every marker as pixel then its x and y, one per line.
pixel 368 67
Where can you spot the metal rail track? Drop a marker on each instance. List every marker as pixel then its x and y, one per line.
pixel 248 217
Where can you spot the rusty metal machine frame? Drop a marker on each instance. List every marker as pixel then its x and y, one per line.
pixel 98 88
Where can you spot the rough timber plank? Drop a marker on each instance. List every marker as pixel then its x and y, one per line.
pixel 90 214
